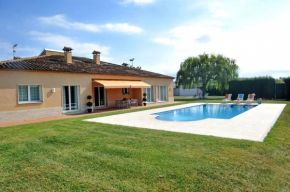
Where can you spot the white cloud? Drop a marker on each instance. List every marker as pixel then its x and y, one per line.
pixel 122 27
pixel 258 48
pixel 57 41
pixel 61 21
pixel 138 2
pixel 218 10
pixel 6 49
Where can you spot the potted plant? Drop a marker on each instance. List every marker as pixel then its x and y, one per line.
pixel 89 104
pixel 144 99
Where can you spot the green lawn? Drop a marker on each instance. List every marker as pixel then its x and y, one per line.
pixel 73 155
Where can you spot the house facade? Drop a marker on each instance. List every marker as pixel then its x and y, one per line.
pixel 57 82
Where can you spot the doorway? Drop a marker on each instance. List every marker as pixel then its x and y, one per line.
pixel 100 96
pixel 70 98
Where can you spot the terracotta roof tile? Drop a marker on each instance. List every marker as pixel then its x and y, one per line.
pixel 56 63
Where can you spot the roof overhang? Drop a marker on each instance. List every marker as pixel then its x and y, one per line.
pixel 113 84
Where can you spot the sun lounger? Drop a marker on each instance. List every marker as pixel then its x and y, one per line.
pixel 251 97
pixel 240 98
pixel 227 98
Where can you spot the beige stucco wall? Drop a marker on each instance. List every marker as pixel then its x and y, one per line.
pixel 48 80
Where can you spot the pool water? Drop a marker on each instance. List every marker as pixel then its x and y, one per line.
pixel 200 112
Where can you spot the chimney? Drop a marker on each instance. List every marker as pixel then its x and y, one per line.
pixel 97 57
pixel 67 54
pixel 125 64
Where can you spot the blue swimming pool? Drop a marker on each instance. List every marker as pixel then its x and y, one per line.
pixel 205 111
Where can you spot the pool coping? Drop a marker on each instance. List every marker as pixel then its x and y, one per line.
pixel 251 125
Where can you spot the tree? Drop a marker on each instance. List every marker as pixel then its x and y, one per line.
pixel 205 68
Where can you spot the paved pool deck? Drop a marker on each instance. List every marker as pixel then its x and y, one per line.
pixel 253 124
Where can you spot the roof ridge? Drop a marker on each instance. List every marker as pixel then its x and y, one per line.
pixel 25 58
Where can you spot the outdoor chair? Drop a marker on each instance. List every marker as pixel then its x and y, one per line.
pixel 128 103
pixel 240 97
pixel 227 98
pixel 118 104
pixel 251 97
pixel 134 102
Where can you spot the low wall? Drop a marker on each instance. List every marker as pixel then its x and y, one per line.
pixel 186 92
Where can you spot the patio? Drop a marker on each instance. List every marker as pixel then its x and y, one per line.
pixel 251 125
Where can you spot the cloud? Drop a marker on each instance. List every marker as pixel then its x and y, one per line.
pixel 138 2
pixel 61 21
pixel 57 41
pixel 122 27
pixel 6 49
pixel 259 47
pixel 203 39
pixel 218 10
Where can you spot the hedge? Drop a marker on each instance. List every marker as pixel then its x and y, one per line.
pixel 214 92
pixel 263 87
pixel 287 88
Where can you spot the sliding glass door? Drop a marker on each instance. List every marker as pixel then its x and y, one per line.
pixel 162 90
pixel 100 96
pixel 150 93
pixel 70 98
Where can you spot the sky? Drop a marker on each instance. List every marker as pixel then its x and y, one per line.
pixel 159 34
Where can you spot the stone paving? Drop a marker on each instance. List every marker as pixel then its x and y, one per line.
pixel 253 124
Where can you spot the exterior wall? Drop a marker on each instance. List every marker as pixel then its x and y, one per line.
pixel 186 92
pixel 9 80
pixel 31 114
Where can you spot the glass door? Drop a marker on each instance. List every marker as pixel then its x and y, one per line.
pixel 150 92
pixel 70 98
pixel 162 93
pixel 100 96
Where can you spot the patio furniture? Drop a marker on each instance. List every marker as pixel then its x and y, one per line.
pixel 118 104
pixel 128 103
pixel 123 104
pixel 240 97
pixel 227 98
pixel 134 102
pixel 250 97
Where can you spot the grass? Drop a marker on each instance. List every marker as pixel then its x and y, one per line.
pixel 73 155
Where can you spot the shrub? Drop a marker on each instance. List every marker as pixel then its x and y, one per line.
pixel 89 104
pixel 263 87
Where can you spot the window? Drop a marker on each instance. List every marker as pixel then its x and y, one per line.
pixel 29 93
pixel 162 93
pixel 125 91
pixel 150 93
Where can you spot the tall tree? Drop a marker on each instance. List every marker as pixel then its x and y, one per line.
pixel 204 68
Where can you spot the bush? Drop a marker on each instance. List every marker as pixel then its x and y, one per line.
pixel 263 87
pixel 89 97
pixel 89 104
pixel 287 88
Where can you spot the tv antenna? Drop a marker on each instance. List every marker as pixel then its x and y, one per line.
pixel 132 61
pixel 15 45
